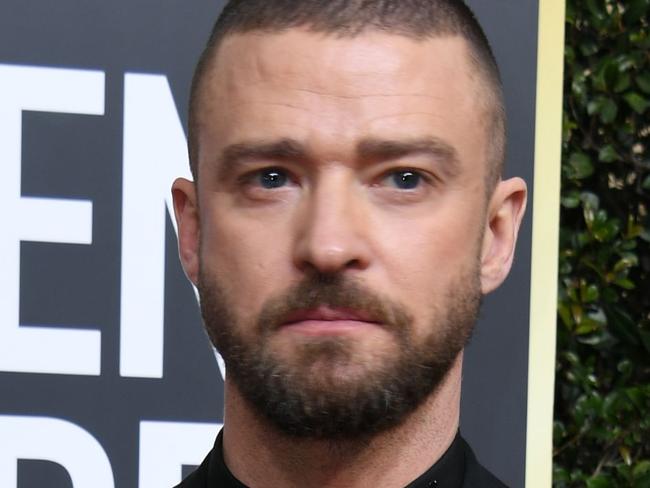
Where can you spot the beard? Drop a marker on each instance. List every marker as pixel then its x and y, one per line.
pixel 321 387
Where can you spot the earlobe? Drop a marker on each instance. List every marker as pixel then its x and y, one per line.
pixel 188 228
pixel 504 216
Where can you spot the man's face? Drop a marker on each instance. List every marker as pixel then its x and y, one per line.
pixel 342 209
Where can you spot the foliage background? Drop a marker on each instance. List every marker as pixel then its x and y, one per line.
pixel 602 397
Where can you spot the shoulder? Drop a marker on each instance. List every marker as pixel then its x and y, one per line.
pixel 476 476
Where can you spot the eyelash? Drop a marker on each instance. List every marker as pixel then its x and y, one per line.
pixel 251 177
pixel 425 177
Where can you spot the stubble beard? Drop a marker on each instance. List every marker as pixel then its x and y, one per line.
pixel 321 390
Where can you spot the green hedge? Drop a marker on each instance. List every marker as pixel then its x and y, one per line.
pixel 602 396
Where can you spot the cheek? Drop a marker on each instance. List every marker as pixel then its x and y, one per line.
pixel 247 257
pixel 422 256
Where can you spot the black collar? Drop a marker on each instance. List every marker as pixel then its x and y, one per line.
pixel 447 472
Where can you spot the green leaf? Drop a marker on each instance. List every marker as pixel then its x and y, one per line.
pixel 590 217
pixel 580 165
pixel 571 291
pixel 643 81
pixel 645 235
pixel 642 468
pixel 631 244
pixel 578 314
pixel 642 481
pixel 590 200
pixel 633 230
pixel 578 86
pixel 625 283
pixel 622 83
pixel 628 260
pixel 565 314
pixel 602 228
pixel 588 293
pixel 607 231
pixel 611 403
pixel 625 367
pixel 588 48
pixel 570 199
pixel 570 12
pixel 636 397
pixel 568 125
pixel 600 78
pixel 608 111
pixel 588 325
pixel 625 454
pixel 637 102
pixel 595 8
pixel 610 73
pixel 608 154
pixel 625 62
pixel 604 107
pixel 572 358
pixel 622 325
pixel 601 339
pixel 600 481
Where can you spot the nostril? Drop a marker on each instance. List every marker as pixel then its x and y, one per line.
pixel 354 264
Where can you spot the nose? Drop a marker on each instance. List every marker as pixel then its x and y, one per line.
pixel 332 229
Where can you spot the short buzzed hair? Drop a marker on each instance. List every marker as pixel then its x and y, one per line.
pixel 416 19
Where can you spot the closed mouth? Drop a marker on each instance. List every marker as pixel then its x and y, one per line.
pixel 328 314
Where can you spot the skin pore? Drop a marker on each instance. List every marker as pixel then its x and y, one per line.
pixel 363 158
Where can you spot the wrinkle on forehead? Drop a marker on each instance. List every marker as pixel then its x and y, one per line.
pixel 266 101
pixel 356 97
pixel 372 64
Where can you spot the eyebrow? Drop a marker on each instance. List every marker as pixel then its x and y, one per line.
pixel 281 150
pixel 370 149
pixel 382 150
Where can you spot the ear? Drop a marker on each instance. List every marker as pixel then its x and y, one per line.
pixel 505 211
pixel 186 211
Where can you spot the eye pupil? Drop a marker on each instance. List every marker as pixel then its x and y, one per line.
pixel 406 180
pixel 273 179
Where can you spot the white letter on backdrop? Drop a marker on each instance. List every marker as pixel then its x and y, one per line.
pixel 58 441
pixel 41 349
pixel 155 153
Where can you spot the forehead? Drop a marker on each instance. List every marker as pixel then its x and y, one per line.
pixel 321 89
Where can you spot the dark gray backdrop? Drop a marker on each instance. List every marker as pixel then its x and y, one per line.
pixel 80 156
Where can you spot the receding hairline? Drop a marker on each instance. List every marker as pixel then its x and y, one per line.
pixel 485 71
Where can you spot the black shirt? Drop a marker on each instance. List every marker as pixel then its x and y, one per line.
pixel 457 468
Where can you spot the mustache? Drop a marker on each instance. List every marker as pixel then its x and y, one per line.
pixel 333 291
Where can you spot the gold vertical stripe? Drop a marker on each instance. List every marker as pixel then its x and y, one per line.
pixel 546 222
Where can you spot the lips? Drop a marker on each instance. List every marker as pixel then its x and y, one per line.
pixel 328 314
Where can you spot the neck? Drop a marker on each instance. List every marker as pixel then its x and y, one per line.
pixel 258 455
